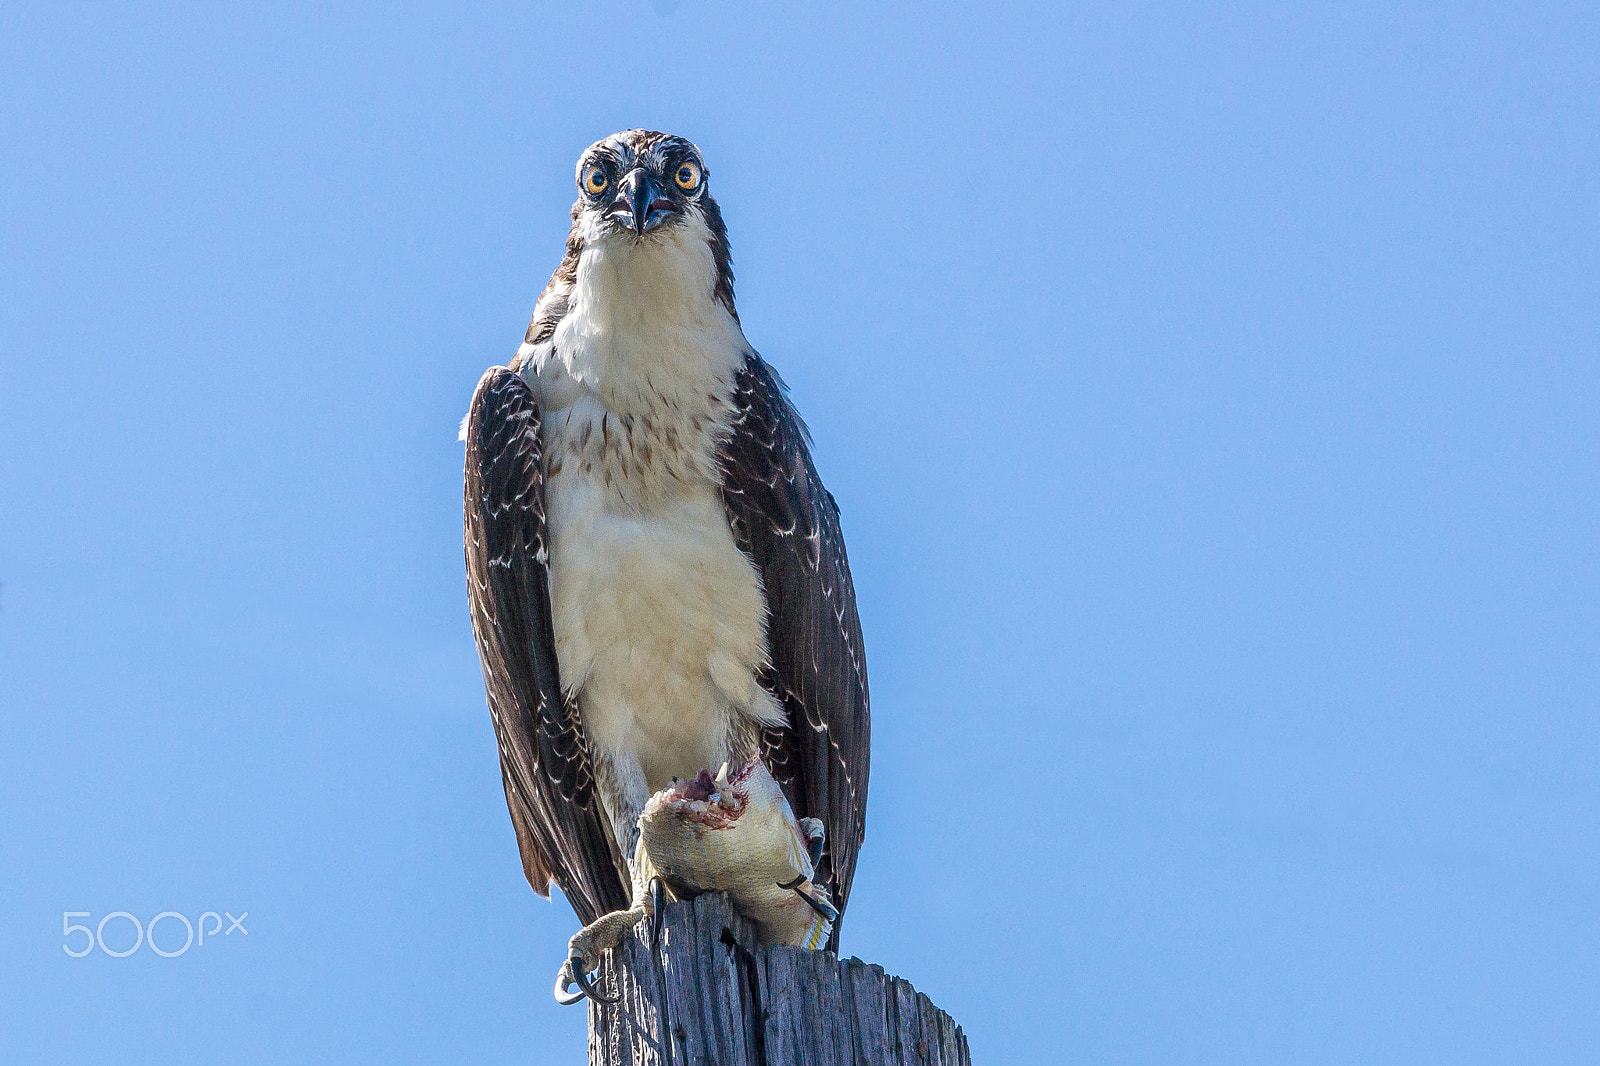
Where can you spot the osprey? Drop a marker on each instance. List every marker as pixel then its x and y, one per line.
pixel 657 578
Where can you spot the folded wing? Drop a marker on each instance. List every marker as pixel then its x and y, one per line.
pixel 788 524
pixel 561 828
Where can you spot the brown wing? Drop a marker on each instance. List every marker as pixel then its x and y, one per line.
pixel 561 829
pixel 788 525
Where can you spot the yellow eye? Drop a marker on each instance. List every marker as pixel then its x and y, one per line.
pixel 688 177
pixel 595 180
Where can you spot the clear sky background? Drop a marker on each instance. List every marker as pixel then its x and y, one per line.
pixel 1210 393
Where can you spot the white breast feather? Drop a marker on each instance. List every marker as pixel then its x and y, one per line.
pixel 660 620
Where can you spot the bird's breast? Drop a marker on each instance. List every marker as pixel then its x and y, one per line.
pixel 659 618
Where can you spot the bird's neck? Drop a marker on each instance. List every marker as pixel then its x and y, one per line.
pixel 644 326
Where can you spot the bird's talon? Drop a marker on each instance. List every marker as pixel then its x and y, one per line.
pixel 825 909
pixel 572 973
pixel 564 983
pixel 816 837
pixel 658 910
pixel 587 984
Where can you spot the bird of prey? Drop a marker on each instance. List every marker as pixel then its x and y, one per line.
pixel 657 578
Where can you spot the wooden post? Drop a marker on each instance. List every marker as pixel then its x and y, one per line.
pixel 711 995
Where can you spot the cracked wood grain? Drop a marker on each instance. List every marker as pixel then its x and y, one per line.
pixel 710 995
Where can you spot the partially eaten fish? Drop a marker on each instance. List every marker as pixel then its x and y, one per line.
pixel 732 833
pixel 736 834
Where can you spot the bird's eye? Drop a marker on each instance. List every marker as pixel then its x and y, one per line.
pixel 595 180
pixel 688 177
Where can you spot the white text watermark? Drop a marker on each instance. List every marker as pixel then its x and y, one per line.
pixel 79 940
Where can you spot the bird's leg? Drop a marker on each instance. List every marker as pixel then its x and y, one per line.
pixel 607 931
pixel 623 793
pixel 584 948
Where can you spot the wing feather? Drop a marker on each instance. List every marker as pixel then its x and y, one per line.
pixel 788 525
pixel 561 829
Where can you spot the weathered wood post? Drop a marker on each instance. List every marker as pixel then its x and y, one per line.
pixel 711 995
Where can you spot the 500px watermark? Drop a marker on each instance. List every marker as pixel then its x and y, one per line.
pixel 146 933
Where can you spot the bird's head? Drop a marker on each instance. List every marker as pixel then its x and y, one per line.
pixel 642 200
pixel 639 182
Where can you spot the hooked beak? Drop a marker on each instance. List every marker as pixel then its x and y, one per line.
pixel 640 205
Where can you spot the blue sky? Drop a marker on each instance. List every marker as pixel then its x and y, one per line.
pixel 1210 392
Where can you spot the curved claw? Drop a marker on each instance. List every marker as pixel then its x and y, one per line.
pixel 571 973
pixel 658 910
pixel 588 986
pixel 824 909
pixel 563 983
